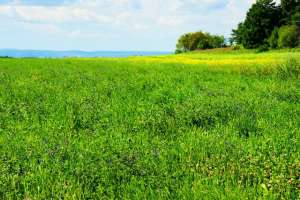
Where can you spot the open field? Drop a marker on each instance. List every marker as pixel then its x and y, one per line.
pixel 208 125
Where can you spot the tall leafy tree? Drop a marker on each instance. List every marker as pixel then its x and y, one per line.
pixel 290 11
pixel 295 18
pixel 183 44
pixel 289 6
pixel 237 34
pixel 260 21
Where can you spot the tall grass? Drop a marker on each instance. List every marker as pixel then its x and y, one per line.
pixel 290 69
pixel 147 128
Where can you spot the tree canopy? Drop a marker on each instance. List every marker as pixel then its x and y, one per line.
pixel 263 20
pixel 199 40
pixel 267 25
pixel 289 9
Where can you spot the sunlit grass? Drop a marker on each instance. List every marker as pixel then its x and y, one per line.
pixel 205 125
pixel 226 58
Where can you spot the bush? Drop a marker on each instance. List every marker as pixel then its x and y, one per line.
pixel 289 36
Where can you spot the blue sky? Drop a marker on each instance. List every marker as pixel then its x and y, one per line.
pixel 147 25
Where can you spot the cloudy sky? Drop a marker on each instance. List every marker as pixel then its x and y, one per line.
pixel 113 24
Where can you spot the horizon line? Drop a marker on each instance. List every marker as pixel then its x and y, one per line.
pixel 80 50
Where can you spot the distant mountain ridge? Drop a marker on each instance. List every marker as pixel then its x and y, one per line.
pixel 18 53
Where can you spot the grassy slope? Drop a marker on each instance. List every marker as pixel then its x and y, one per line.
pixel 210 125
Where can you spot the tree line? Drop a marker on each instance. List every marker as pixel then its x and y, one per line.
pixel 267 25
pixel 270 25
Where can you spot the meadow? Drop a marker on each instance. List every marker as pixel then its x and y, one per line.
pixel 202 125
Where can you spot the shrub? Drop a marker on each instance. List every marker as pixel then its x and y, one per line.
pixel 289 36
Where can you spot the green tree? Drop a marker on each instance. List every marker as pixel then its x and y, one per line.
pixel 295 18
pixel 289 36
pixel 290 10
pixel 217 41
pixel 205 42
pixel 260 21
pixel 195 39
pixel 273 40
pixel 199 40
pixel 237 34
pixel 183 44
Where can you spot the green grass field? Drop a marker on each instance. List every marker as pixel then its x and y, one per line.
pixel 205 125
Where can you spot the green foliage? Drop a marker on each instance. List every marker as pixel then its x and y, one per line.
pixel 295 18
pixel 237 34
pixel 199 40
pixel 237 47
pixel 183 44
pixel 178 51
pixel 196 38
pixel 263 48
pixel 288 6
pixel 289 36
pixel 260 21
pixel 217 41
pixel 290 11
pixel 205 42
pixel 273 39
pixel 151 127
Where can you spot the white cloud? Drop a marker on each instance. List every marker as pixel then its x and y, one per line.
pixel 165 12
pixel 43 14
pixel 5 10
pixel 141 18
pixel 171 21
